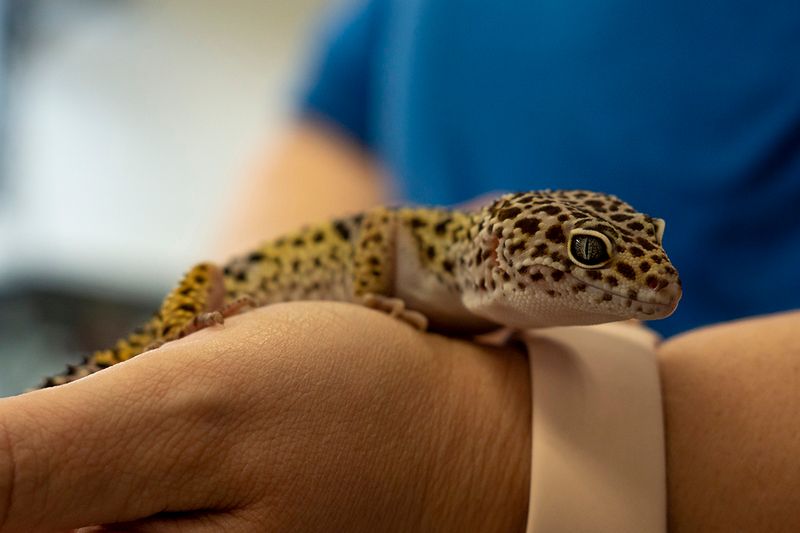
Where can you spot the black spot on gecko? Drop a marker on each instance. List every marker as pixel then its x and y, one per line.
pixel 607 297
pixel 508 212
pixel 620 217
pixel 374 261
pixel 431 252
pixel 342 229
pixel 241 276
pixel 549 209
pixel 298 242
pixel 594 274
pixel 612 280
pixel 528 226
pixel 555 234
pixel 417 223
pixel 188 308
pixel 556 275
pixel 636 251
pixel 318 236
pixel 644 243
pixel 537 276
pixel 551 293
pixel 626 270
pixel 644 266
pixel 448 265
pixel 516 247
pixel 636 226
pixel 597 205
pixel 255 257
pixel 441 227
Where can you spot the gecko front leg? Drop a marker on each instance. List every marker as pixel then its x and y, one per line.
pixel 395 307
pixel 374 268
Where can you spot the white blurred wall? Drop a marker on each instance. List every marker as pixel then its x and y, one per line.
pixel 130 123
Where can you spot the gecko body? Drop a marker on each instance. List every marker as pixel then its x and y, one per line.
pixel 533 259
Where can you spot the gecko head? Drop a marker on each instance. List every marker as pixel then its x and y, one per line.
pixel 550 258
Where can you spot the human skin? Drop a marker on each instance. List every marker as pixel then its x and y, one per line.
pixel 326 416
pixel 294 417
pixel 732 415
pixel 310 174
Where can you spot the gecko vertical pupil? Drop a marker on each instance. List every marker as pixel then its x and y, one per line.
pixel 589 250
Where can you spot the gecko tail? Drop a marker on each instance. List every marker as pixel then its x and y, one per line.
pixel 198 295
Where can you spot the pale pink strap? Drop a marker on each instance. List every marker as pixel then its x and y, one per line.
pixel 598 434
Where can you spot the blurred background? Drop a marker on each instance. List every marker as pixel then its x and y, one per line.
pixel 124 125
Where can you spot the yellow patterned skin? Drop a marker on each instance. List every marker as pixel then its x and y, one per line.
pixel 199 292
pixel 525 260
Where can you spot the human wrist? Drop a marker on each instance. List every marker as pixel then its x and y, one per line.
pixel 484 451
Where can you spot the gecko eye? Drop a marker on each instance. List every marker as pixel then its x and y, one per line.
pixel 589 249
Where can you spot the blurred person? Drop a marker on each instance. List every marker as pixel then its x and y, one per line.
pixel 689 111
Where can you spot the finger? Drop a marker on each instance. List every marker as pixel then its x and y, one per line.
pixel 117 446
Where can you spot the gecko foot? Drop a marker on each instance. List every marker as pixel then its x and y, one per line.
pixel 397 308
pixel 209 319
pixel 217 318
pixel 239 305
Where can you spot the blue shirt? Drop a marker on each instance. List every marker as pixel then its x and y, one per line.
pixel 688 110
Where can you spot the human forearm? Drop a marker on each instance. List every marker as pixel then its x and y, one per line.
pixel 731 397
pixel 312 173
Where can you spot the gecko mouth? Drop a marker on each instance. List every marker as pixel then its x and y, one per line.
pixel 658 306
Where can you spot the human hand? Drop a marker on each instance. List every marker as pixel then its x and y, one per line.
pixel 301 417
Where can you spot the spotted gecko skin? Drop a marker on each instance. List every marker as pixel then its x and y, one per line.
pixel 532 259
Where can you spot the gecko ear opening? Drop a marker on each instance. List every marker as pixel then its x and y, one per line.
pixel 660 225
